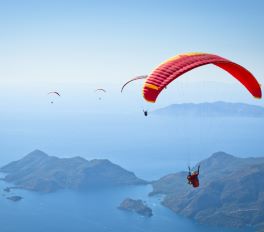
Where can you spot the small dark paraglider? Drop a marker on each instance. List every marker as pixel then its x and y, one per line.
pixel 193 177
pixel 54 93
pixel 102 91
pixel 142 77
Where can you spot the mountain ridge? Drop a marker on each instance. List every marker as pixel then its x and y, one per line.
pixel 38 171
pixel 231 192
pixel 213 109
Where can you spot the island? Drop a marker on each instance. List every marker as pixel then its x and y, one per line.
pixel 7 189
pixel 40 172
pixel 137 206
pixel 231 192
pixel 15 198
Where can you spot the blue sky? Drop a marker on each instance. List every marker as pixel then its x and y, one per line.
pixel 77 46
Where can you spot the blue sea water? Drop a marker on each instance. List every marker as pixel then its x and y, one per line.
pixel 97 211
pixel 151 147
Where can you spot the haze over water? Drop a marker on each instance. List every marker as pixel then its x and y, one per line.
pixel 151 147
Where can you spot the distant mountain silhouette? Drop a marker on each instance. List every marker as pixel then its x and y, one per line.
pixel 231 192
pixel 215 109
pixel 39 172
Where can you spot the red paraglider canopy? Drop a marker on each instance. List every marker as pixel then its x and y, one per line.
pixel 178 65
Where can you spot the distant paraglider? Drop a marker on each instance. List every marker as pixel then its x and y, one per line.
pixel 133 79
pixel 173 68
pixel 193 177
pixel 54 93
pixel 100 90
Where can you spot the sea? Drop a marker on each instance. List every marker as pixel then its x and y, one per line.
pixel 151 147
pixel 97 211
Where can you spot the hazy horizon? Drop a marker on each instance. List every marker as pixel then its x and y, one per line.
pixel 76 47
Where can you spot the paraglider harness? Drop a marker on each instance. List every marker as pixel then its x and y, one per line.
pixel 145 112
pixel 193 177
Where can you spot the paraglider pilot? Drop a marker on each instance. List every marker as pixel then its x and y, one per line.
pixel 145 112
pixel 193 177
